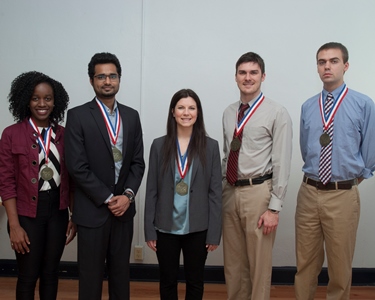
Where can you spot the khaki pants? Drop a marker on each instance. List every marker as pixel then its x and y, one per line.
pixel 325 220
pixel 247 251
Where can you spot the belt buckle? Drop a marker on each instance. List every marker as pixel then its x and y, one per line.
pixel 242 182
pixel 245 182
pixel 320 186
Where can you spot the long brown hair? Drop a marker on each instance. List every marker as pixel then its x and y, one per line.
pixel 197 145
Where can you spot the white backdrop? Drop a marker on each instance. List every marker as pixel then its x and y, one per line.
pixel 166 45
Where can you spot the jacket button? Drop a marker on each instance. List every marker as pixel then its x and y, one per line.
pixel 33 146
pixel 34 162
pixel 33 180
pixel 33 198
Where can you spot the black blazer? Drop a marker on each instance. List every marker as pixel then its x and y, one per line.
pixel 204 192
pixel 90 163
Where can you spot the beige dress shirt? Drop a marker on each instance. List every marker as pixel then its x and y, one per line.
pixel 266 146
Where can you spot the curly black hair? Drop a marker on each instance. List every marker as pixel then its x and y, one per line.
pixel 22 89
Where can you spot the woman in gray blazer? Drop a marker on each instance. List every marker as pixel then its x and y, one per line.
pixel 183 197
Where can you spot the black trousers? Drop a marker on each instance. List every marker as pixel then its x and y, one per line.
pixel 108 245
pixel 47 235
pixel 193 246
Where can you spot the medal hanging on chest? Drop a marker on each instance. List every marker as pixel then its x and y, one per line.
pixel 113 130
pixel 117 155
pixel 324 139
pixel 182 187
pixel 235 144
pixel 327 119
pixel 46 173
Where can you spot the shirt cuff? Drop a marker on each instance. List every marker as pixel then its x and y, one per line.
pixel 109 198
pixel 129 190
pixel 275 203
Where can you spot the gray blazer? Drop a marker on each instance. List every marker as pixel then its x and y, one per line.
pixel 205 194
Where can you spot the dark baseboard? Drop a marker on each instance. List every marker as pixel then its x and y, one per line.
pixel 213 274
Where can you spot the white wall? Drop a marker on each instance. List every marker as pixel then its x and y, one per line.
pixel 166 45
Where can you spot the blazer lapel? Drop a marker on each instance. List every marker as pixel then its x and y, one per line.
pixel 173 167
pixel 98 117
pixel 125 130
pixel 195 162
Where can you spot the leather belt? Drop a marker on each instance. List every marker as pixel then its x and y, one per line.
pixel 253 181
pixel 337 185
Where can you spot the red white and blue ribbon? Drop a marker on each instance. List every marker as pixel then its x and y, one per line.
pixel 241 124
pixel 182 162
pixel 44 142
pixel 327 119
pixel 113 129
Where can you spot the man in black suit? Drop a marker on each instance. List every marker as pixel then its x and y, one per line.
pixel 104 156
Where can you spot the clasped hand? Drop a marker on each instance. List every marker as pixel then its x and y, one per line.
pixel 118 205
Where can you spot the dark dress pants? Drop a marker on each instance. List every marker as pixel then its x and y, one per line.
pixel 106 246
pixel 193 246
pixel 47 235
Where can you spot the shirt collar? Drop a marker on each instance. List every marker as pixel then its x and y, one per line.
pixel 335 93
pixel 107 108
pixel 251 102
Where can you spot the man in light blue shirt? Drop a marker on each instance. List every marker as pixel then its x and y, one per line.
pixel 337 140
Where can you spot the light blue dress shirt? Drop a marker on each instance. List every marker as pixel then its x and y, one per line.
pixel 112 118
pixel 180 206
pixel 353 152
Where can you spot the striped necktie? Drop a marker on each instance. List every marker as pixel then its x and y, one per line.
pixel 325 170
pixel 232 165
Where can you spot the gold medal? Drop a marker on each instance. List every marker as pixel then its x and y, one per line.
pixel 324 139
pixel 182 188
pixel 117 155
pixel 235 145
pixel 46 173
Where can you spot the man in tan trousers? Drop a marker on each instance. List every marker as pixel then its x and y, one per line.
pixel 256 167
pixel 337 139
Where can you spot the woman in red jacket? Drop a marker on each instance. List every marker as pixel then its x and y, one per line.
pixel 34 183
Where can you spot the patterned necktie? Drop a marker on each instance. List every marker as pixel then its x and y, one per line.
pixel 232 165
pixel 326 151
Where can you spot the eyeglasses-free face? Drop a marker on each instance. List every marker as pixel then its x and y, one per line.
pixel 185 112
pixel 331 68
pixel 41 104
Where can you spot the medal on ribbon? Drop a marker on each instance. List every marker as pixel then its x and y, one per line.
pixel 325 139
pixel 235 144
pixel 46 173
pixel 182 166
pixel 113 129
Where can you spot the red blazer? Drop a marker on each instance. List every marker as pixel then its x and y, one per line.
pixel 19 167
